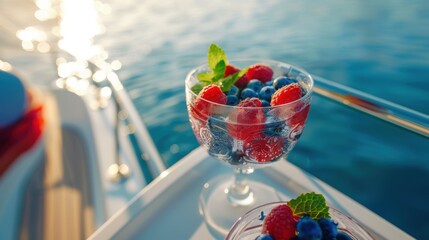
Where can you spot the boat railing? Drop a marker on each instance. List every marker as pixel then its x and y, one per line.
pixel 390 112
pixel 144 146
pixel 145 150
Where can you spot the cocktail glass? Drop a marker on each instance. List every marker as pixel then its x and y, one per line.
pixel 244 145
pixel 249 226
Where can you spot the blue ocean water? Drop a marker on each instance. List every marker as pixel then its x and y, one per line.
pixel 378 47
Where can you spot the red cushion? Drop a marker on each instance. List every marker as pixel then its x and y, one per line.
pixel 20 137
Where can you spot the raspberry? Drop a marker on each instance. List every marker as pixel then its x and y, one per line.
pixel 242 82
pixel 280 223
pixel 213 93
pixel 250 103
pixel 264 149
pixel 230 69
pixel 246 121
pixel 300 117
pixel 202 106
pixel 261 72
pixel 286 94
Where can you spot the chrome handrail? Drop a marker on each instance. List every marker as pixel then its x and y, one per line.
pixel 148 150
pixel 145 148
pixel 387 111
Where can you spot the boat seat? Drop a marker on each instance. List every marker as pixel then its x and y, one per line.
pixel 50 189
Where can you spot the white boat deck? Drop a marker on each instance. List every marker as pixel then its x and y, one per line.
pixel 168 207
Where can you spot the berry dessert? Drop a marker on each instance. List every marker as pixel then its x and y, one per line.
pixel 245 111
pixel 303 218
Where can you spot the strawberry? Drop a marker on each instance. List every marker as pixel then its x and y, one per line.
pixel 246 121
pixel 261 72
pixel 280 223
pixel 286 94
pixel 203 104
pixel 264 148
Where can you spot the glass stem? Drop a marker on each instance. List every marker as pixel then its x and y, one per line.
pixel 240 193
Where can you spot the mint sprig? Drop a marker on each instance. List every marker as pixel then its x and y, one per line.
pixel 217 62
pixel 215 56
pixel 311 204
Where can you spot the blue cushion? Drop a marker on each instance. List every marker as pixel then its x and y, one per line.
pixel 13 99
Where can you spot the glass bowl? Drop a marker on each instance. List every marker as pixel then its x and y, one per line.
pixel 249 226
pixel 225 132
pixel 244 137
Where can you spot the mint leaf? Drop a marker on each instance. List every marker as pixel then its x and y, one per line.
pixel 217 62
pixel 226 83
pixel 206 77
pixel 219 70
pixel 197 88
pixel 311 204
pixel 215 55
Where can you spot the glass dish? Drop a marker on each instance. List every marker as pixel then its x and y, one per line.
pixel 249 225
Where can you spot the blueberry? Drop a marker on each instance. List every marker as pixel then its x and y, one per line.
pixel 255 84
pixel 329 228
pixel 308 229
pixel 232 91
pixel 262 216
pixel 220 144
pixel 265 103
pixel 266 93
pixel 220 149
pixel 269 83
pixel 264 237
pixel 282 81
pixel 273 126
pixel 232 100
pixel 343 236
pixel 236 158
pixel 248 93
pixel 217 126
